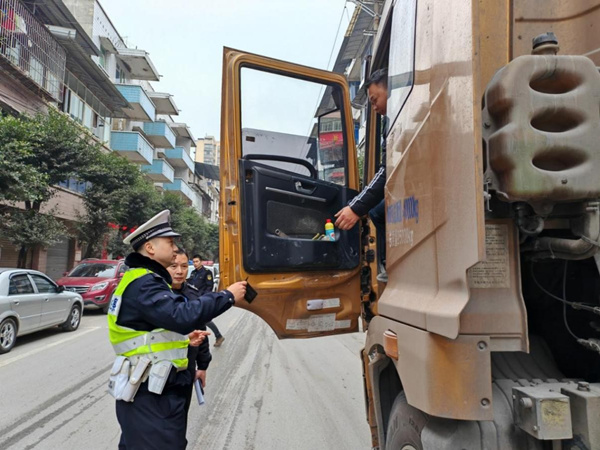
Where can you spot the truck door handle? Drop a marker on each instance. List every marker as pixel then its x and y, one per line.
pixel 17 303
pixel 46 299
pixel 304 190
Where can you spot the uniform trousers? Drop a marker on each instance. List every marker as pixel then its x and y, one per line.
pixel 154 422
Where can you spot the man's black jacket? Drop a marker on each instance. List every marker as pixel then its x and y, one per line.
pixel 199 357
pixel 202 279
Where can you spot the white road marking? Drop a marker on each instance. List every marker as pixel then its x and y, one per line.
pixel 46 347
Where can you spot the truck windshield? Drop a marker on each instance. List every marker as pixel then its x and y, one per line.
pixel 101 270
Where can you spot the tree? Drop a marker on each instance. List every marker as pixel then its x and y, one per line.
pixel 361 165
pixel 212 245
pixel 29 229
pixel 186 221
pixel 139 202
pixel 17 178
pixel 112 180
pixel 47 149
pixel 194 231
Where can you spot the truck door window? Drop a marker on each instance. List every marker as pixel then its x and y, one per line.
pixel 402 56
pixel 293 118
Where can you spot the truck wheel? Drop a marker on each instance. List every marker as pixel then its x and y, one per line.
pixel 405 426
pixel 8 335
pixel 74 319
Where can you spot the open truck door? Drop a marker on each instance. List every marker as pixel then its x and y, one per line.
pixel 288 163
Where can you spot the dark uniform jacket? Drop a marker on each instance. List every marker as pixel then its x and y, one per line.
pixel 199 357
pixel 149 303
pixel 371 195
pixel 202 279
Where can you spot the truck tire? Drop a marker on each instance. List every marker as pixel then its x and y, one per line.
pixel 405 426
pixel 74 319
pixel 8 335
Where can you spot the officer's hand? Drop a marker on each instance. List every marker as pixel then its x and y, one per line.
pixel 346 218
pixel 238 290
pixel 197 337
pixel 201 375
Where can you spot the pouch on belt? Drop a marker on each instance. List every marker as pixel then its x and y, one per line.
pixel 135 379
pixel 159 373
pixel 119 376
pixel 124 379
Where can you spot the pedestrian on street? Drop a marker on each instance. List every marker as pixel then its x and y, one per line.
pixel 199 357
pixel 202 279
pixel 150 328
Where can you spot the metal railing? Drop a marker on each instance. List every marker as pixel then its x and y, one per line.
pixel 28 46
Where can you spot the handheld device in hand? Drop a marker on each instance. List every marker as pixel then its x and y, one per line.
pixel 250 293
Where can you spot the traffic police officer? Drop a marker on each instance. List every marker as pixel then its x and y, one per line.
pixel 148 327
pixel 201 278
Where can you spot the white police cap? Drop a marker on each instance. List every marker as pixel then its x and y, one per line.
pixel 158 226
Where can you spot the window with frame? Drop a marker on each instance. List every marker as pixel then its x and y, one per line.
pixel 20 285
pixel 119 74
pixel 294 118
pixel 102 57
pixel 44 285
pixel 402 56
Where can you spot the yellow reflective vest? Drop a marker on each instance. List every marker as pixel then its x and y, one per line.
pixel 157 345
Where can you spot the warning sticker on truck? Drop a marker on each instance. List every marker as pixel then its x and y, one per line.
pixel 318 322
pixel 494 272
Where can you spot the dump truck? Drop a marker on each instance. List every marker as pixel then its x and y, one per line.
pixel 486 335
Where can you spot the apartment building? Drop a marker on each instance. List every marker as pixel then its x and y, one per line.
pixel 68 54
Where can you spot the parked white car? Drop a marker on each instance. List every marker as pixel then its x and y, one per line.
pixel 31 301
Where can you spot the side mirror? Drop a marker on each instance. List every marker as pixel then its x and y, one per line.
pixel 60 289
pixel 65 274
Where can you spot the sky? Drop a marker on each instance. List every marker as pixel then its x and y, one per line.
pixel 185 40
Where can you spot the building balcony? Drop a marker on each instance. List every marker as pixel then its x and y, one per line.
pixel 179 158
pixel 142 107
pixel 132 145
pixel 160 171
pixel 164 103
pixel 139 63
pixel 29 52
pixel 181 130
pixel 181 187
pixel 159 134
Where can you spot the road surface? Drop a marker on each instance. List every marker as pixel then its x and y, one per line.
pixel 261 393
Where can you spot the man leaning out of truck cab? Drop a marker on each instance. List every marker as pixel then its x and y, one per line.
pixel 371 199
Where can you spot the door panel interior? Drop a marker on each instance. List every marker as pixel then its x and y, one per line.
pixel 285 212
pixel 288 163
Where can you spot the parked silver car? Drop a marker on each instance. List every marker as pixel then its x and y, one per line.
pixel 31 301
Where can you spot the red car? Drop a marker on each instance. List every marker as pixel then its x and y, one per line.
pixel 95 280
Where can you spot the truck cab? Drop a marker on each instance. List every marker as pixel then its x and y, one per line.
pixel 485 335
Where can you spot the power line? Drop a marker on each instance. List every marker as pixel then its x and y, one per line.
pixel 337 33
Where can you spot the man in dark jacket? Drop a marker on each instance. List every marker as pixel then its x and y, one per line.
pixel 145 306
pixel 202 279
pixel 199 357
pixel 371 199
